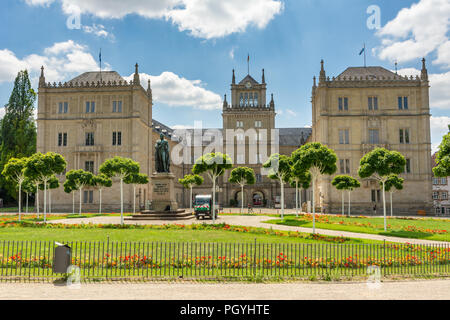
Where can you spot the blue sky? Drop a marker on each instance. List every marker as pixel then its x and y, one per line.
pixel 189 47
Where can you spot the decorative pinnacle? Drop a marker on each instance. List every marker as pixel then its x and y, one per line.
pixel 263 77
pixel 233 80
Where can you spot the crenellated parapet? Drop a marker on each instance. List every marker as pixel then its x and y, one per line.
pixel 87 84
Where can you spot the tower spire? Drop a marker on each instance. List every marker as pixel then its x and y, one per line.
pixel 42 78
pixel 149 89
pixel 424 72
pixel 322 77
pixel 233 79
pixel 136 74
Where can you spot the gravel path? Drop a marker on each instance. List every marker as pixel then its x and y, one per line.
pixel 416 290
pixel 251 221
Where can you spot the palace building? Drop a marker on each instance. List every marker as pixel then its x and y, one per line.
pixel 99 115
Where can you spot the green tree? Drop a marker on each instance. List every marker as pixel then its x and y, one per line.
pixel 29 187
pixel 380 163
pixel 136 179
pixel 318 160
pixel 101 182
pixel 52 183
pixel 393 183
pixel 213 165
pixel 442 168
pixel 17 127
pixel 242 176
pixel 120 168
pixel 189 181
pixel 70 187
pixel 299 180
pixel 79 179
pixel 279 168
pixel 345 182
pixel 41 168
pixel 14 172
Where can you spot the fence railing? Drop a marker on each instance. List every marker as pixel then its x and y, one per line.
pixel 194 260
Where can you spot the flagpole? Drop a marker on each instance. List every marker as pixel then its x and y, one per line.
pixel 364 55
pixel 248 64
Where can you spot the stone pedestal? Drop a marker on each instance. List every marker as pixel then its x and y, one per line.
pixel 163 192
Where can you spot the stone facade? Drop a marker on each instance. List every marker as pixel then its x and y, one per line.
pixel 440 193
pixel 93 117
pixel 370 107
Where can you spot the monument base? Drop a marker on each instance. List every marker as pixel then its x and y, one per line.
pixel 163 192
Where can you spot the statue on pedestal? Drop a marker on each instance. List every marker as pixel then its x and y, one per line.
pixel 162 159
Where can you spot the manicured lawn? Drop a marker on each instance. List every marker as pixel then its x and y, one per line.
pixel 417 228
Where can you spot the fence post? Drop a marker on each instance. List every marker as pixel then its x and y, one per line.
pixel 254 262
pixel 384 257
pixel 107 257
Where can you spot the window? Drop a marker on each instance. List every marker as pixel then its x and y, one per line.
pixel 444 196
pixel 343 103
pixel 408 166
pixel 63 107
pixel 240 137
pixel 404 136
pixel 444 181
pixel 241 100
pixel 435 195
pixel 89 166
pixel 435 180
pixel 117 138
pixel 90 106
pixel 344 165
pixel 258 177
pixel 258 124
pixel 374 136
pixel 402 103
pixel 343 136
pixel 117 106
pixel 62 139
pixel 373 103
pixel 89 138
pixel 255 96
pixel 376 196
pixel 88 196
pixel 240 158
pixel 239 124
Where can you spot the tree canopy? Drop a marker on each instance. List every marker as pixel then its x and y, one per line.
pixel 138 178
pixel 119 167
pixel 392 182
pixel 78 179
pixel 345 182
pixel 213 164
pixel 315 158
pixel 381 163
pixel 101 181
pixel 442 168
pixel 279 167
pixel 190 180
pixel 242 176
pixel 300 178
pixel 41 167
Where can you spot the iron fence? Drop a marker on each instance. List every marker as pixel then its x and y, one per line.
pixel 194 260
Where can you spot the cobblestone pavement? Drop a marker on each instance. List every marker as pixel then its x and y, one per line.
pixel 416 290
pixel 251 221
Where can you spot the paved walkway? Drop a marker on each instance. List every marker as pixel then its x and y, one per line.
pixel 251 221
pixel 416 290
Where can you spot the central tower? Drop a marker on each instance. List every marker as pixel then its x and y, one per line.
pixel 248 108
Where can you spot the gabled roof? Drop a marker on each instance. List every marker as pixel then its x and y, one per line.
pixel 95 76
pixel 372 72
pixel 247 79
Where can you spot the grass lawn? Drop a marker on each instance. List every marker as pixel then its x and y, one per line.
pixel 416 228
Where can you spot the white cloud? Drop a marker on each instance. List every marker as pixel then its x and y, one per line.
pixel 439 127
pixel 291 112
pixel 417 31
pixel 98 30
pixel 181 127
pixel 61 60
pixel 39 2
pixel 231 53
pixel 201 18
pixel 170 89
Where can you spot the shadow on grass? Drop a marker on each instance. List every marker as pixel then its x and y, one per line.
pixel 406 234
pixel 288 222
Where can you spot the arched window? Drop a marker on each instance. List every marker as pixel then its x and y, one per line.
pixel 250 99
pixel 256 99
pixel 241 100
pixel 246 99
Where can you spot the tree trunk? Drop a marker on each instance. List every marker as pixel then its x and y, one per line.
pixel 313 204
pixel 343 207
pixel 242 198
pixel 349 213
pixel 27 204
pixel 214 201
pixel 282 199
pixel 134 199
pixel 73 202
pixel 391 203
pixel 80 202
pixel 100 202
pixel 45 201
pixel 300 195
pixel 37 199
pixel 296 199
pixel 20 199
pixel 384 208
pixel 50 201
pixel 121 202
pixel 190 199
